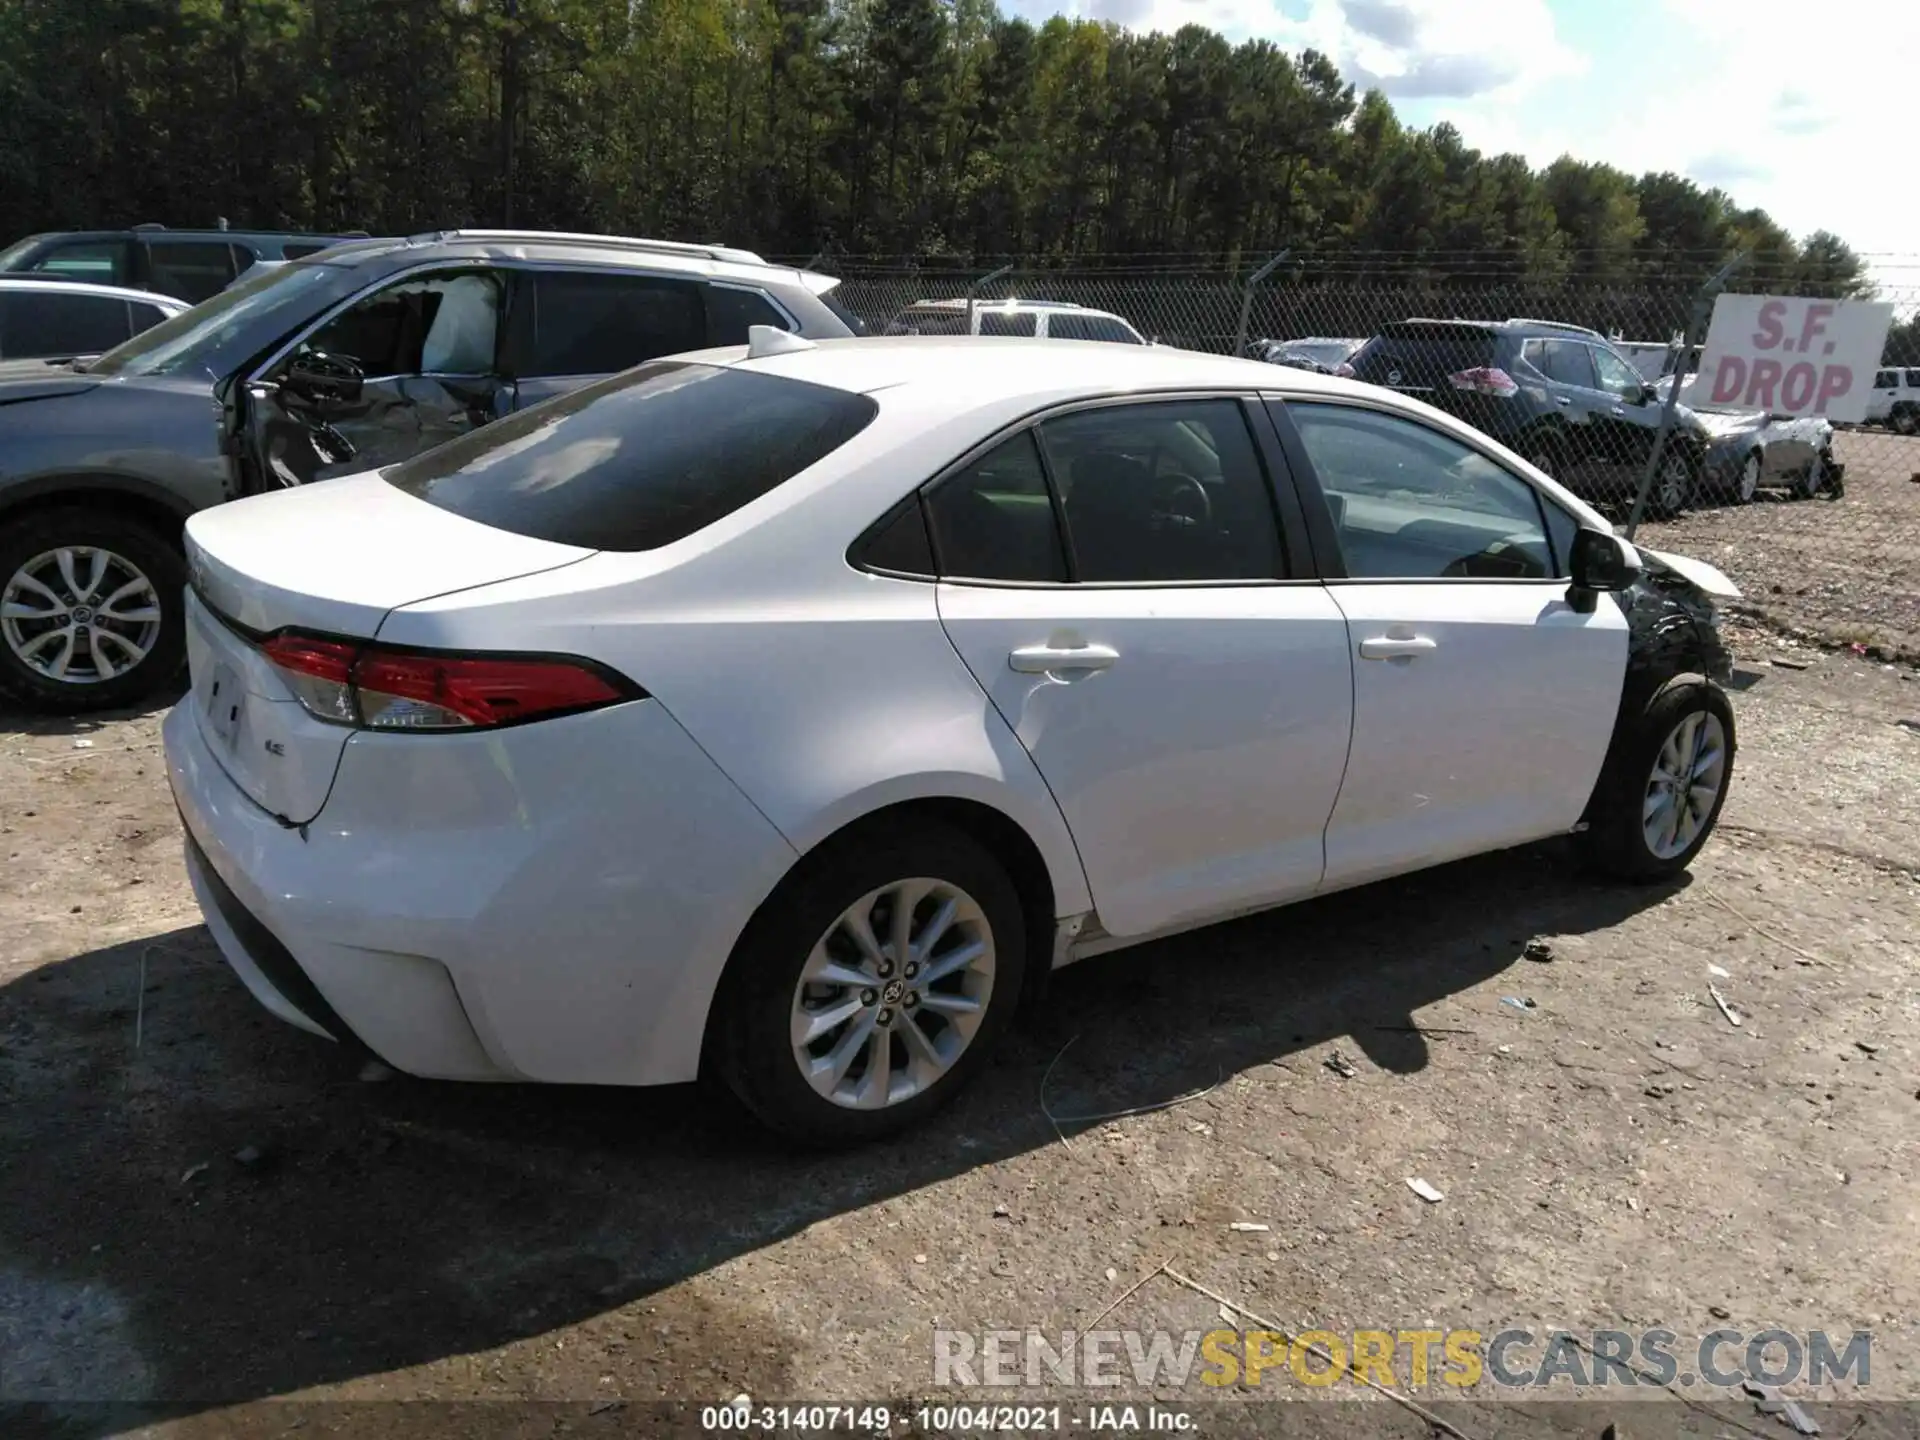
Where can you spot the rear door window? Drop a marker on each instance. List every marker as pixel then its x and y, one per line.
pixel 193 270
pixel 1419 358
pixel 730 313
pixel 1089 327
pixel 1007 322
pixel 1913 378
pixel 1568 362
pixel 145 317
pixel 995 519
pixel 41 324
pixel 588 323
pixel 638 460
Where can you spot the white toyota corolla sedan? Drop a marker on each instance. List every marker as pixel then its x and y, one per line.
pixel 785 713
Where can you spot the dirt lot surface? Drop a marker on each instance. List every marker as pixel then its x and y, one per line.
pixel 1845 570
pixel 210 1218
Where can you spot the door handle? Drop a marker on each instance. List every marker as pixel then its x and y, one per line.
pixel 1042 659
pixel 1563 400
pixel 1619 409
pixel 1388 647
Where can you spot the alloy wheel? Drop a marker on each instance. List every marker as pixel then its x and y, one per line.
pixel 80 614
pixel 1749 482
pixel 893 993
pixel 1685 784
pixel 1674 482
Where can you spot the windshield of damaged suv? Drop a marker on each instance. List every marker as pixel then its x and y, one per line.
pixel 640 460
pixel 196 340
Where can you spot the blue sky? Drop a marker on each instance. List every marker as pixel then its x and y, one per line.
pixel 1804 117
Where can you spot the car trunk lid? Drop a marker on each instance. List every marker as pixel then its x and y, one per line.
pixel 1416 357
pixel 331 559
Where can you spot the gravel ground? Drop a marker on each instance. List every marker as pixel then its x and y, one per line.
pixel 1844 571
pixel 211 1220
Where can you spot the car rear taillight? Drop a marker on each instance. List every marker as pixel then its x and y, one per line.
pixel 1484 380
pixel 1345 367
pixel 376 687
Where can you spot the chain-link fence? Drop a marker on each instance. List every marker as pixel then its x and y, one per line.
pixel 1819 525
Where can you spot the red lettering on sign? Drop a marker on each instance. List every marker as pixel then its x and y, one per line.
pixel 1796 389
pixel 1771 331
pixel 1813 323
pixel 1729 379
pixel 1766 375
pixel 1835 381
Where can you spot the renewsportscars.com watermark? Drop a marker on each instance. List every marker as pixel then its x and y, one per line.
pixel 1400 1359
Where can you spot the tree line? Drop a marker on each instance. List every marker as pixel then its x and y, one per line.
pixel 851 127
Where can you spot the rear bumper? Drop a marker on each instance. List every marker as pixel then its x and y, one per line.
pixel 552 902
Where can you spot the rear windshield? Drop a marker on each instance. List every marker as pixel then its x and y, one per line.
pixel 640 460
pixel 1414 356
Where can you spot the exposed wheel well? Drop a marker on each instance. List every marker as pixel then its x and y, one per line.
pixel 164 521
pixel 993 831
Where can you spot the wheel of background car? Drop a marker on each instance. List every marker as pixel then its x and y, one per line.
pixel 1906 421
pixel 1672 486
pixel 1666 779
pixel 1544 456
pixel 869 988
pixel 90 614
pixel 1747 483
pixel 1182 500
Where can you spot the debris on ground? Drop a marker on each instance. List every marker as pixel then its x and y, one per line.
pixel 1539 951
pixel 1001 1212
pixel 1781 662
pixel 193 1172
pixel 83 744
pixel 254 1157
pixel 1248 1225
pixel 1518 1002
pixel 1425 1191
pixel 1866 1047
pixel 1768 1401
pixel 1719 1312
pixel 1713 969
pixel 1727 1010
pixel 1341 1066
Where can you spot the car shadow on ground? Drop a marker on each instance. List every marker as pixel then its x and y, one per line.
pixel 226 1212
pixel 16 721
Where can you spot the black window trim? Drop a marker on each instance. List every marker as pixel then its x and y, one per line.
pixel 1296 548
pixel 1320 517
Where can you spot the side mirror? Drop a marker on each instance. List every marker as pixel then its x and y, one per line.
pixel 322 380
pixel 1600 561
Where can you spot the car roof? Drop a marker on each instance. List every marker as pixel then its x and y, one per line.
pixel 209 233
pixel 984 369
pixel 1009 304
pixel 717 262
pixel 87 287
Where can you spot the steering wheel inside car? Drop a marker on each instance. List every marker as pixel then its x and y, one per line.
pixel 1181 500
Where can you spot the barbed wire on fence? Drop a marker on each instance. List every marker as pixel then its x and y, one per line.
pixel 1819 525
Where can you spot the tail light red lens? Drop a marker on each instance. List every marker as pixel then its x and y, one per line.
pixel 1484 380
pixel 378 688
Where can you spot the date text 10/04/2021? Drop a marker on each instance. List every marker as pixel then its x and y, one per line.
pixel 940 1419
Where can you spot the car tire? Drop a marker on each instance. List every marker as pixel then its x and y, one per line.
pixel 761 1012
pixel 1673 485
pixel 1905 421
pixel 119 561
pixel 1626 836
pixel 1745 487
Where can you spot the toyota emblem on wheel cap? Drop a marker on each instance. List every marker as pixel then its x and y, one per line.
pixel 1393 377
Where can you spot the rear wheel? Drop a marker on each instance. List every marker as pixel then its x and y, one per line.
pixel 1665 783
pixel 867 991
pixel 1746 483
pixel 1906 420
pixel 90 611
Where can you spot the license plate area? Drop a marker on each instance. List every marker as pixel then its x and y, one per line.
pixel 225 699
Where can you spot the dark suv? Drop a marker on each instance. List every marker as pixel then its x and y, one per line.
pixel 350 360
pixel 1560 395
pixel 189 265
